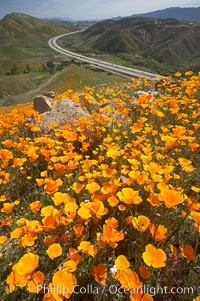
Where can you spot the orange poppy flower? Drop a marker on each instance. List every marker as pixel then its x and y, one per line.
pixel 122 207
pixel 87 247
pixel 97 208
pixel 16 279
pixel 27 264
pixel 114 152
pixel 7 207
pixel 196 216
pixel 111 236
pixel 92 187
pixel 170 197
pixel 169 141
pixel 3 238
pixel 74 255
pixel 65 280
pixel 129 196
pixel 145 159
pixel 49 297
pixel 60 197
pixel 16 233
pixel 194 146
pixel 5 155
pixel 59 169
pixel 70 266
pixel 154 257
pixel 187 73
pixel 113 201
pixel 108 173
pixel 2 198
pixel 54 251
pixel 92 250
pixel 77 187
pixel 145 272
pixel 37 280
pixel 128 279
pixel 33 227
pixel 99 272
pixel 78 230
pixel 141 223
pixel 196 299
pixel 106 188
pixel 49 211
pixel 31 151
pixel 186 164
pixel 50 223
pixel 28 240
pixel 154 200
pixel 188 252
pixel 35 206
pixel 173 249
pixel 52 186
pixel 10 281
pixel 158 233
pixel 40 182
pixel 6 221
pixel 196 189
pixel 18 162
pixel 112 222
pixel 146 297
pixel 122 263
pixel 84 210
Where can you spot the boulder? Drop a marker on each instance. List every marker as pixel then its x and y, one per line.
pixel 42 103
pixel 90 104
pixel 64 112
pixel 138 93
pixel 151 95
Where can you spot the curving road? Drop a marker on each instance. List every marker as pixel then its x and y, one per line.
pixel 118 69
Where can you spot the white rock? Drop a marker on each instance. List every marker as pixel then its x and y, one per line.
pixel 64 112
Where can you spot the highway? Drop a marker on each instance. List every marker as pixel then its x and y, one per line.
pixel 118 69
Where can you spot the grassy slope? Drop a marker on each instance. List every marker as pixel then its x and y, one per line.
pixel 23 36
pixel 26 86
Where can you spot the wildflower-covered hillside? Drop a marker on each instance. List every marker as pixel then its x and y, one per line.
pixel 111 210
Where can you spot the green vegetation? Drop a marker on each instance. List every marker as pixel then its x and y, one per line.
pixel 24 37
pixel 21 88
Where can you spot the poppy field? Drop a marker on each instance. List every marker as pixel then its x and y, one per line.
pixel 108 209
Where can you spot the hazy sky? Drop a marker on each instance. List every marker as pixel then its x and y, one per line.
pixel 88 9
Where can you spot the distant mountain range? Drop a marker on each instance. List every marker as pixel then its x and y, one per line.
pixel 187 14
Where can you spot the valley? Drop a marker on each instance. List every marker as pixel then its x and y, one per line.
pixel 161 46
pixel 28 66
